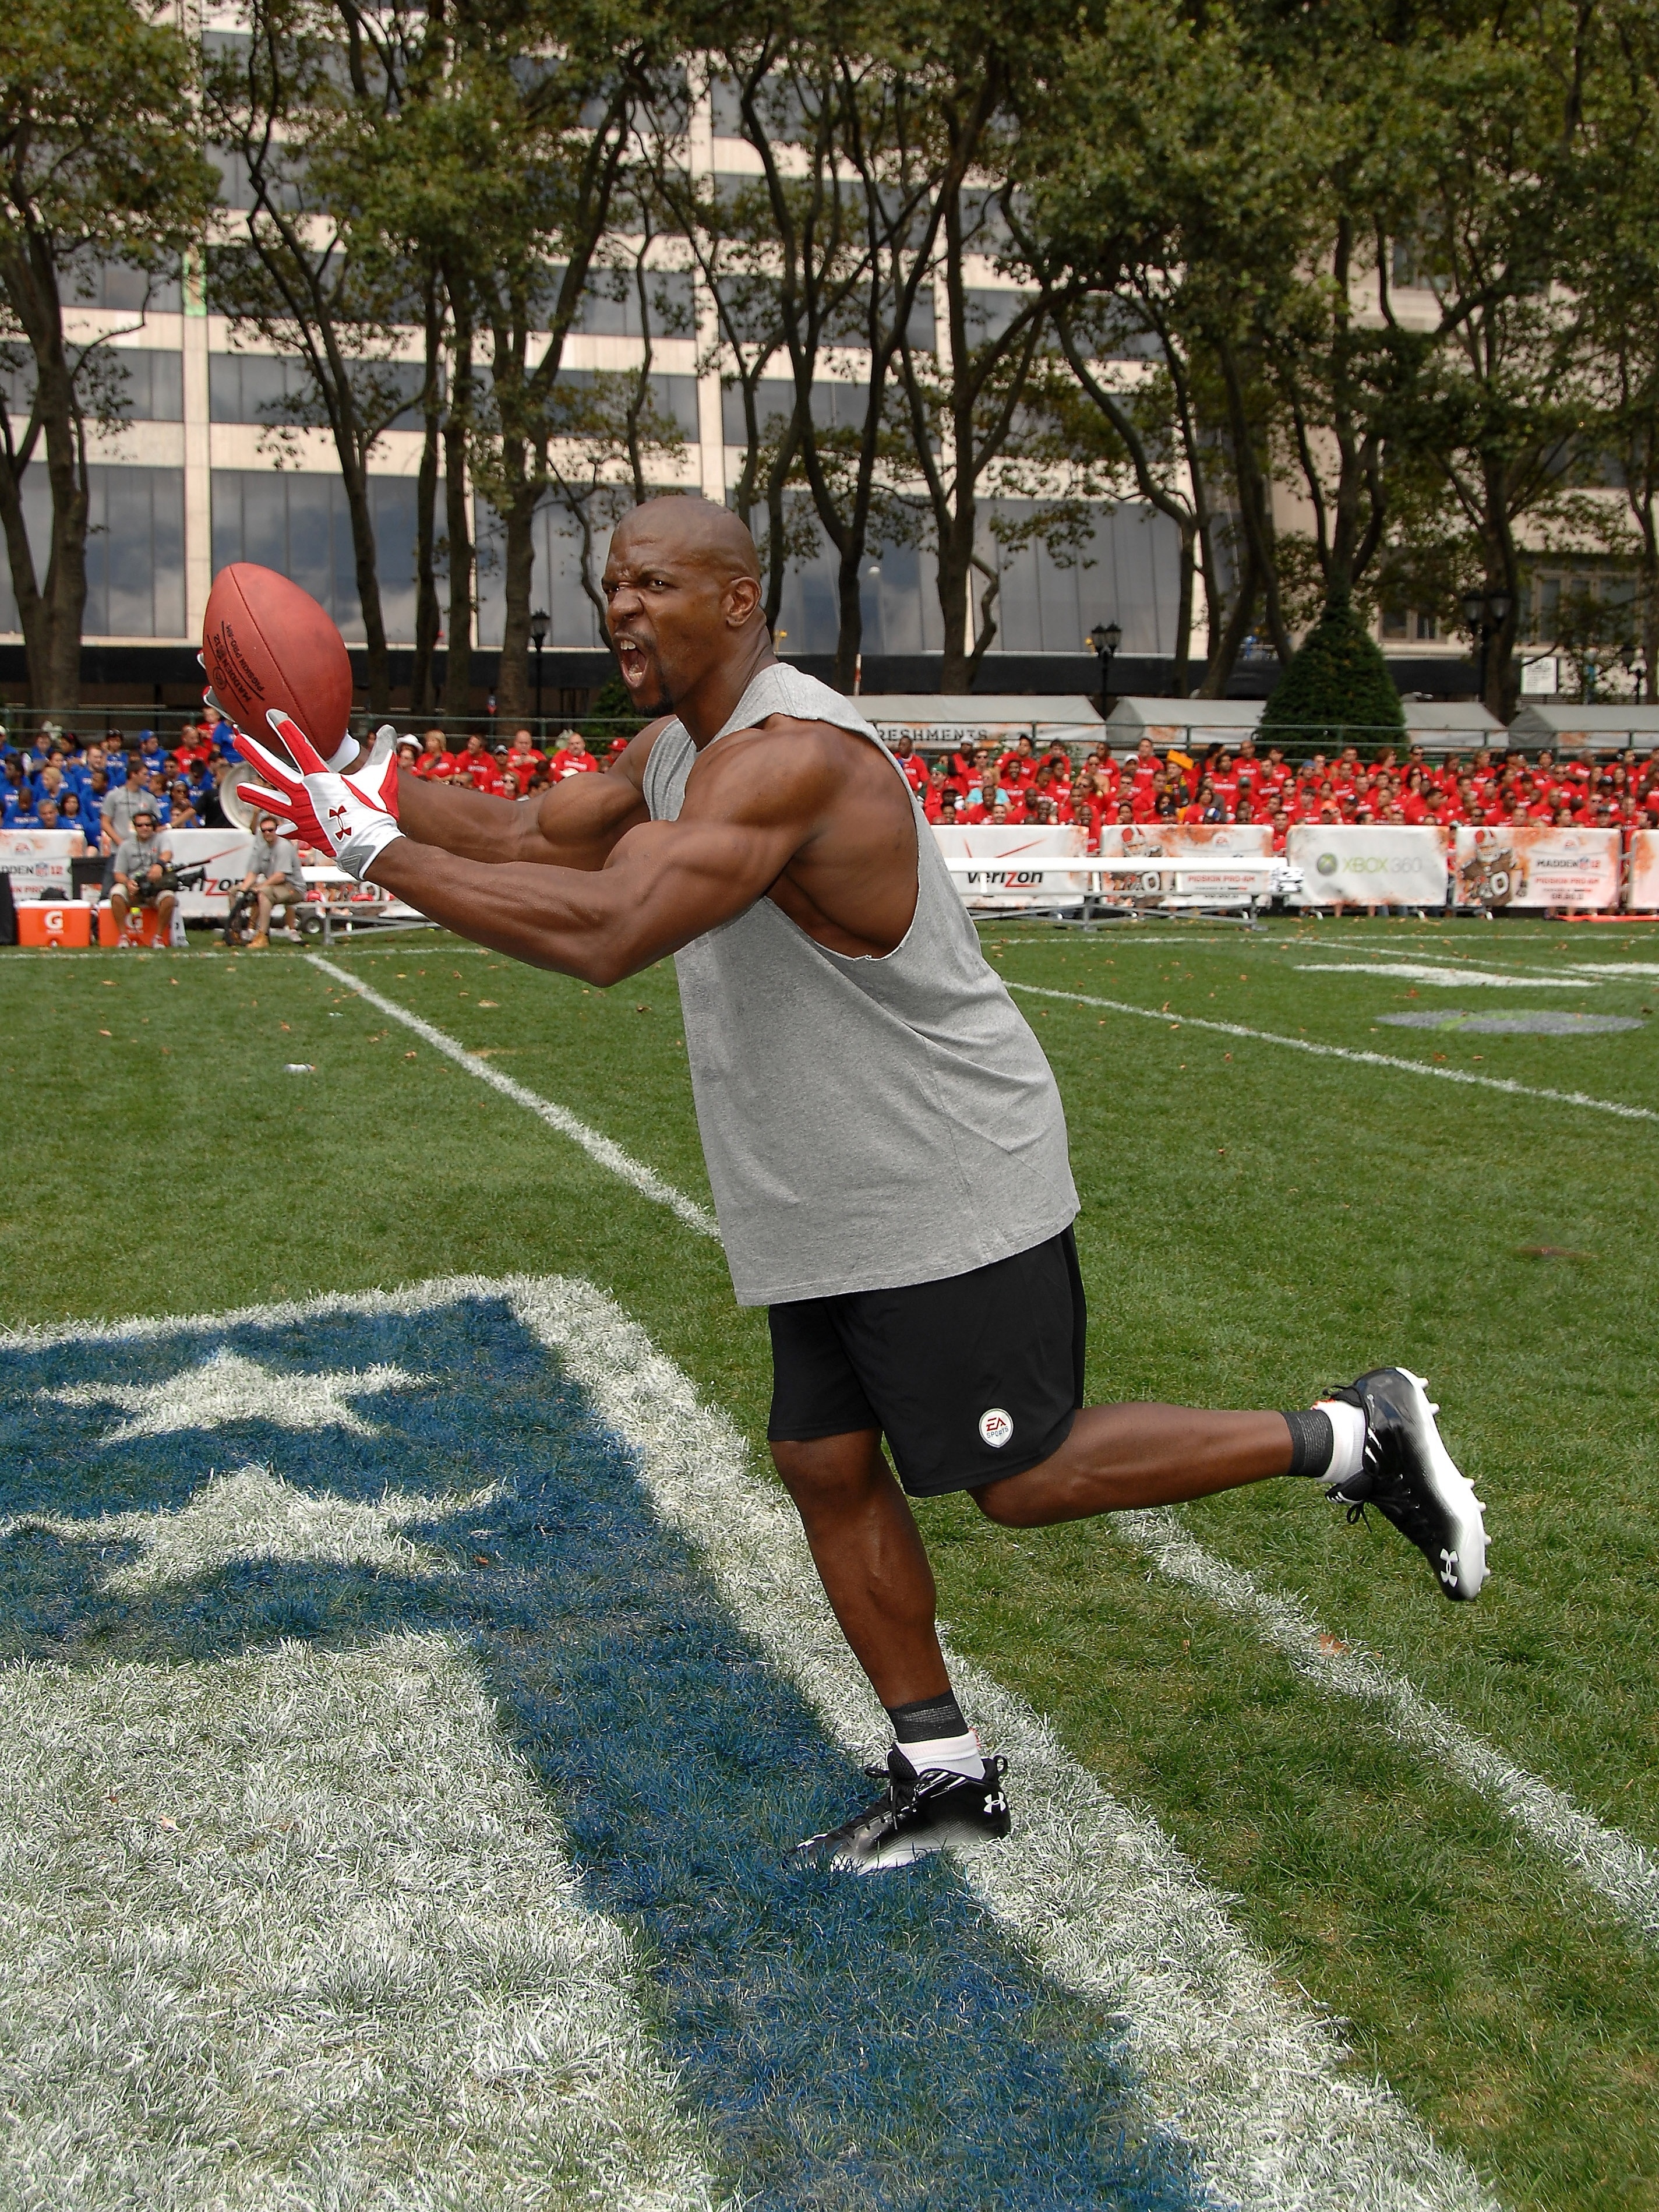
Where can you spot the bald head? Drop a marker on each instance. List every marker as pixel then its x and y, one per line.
pixel 688 530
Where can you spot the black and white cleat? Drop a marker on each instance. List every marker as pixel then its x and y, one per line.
pixel 1411 1478
pixel 919 1814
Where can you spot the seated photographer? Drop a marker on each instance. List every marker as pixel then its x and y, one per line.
pixel 273 877
pixel 143 874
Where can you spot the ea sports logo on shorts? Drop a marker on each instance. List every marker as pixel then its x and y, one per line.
pixel 995 1427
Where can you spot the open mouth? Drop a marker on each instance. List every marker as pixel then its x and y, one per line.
pixel 634 661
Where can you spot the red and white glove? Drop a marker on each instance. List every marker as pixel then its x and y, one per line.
pixel 355 817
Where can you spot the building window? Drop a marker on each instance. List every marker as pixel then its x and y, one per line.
pixel 300 523
pixel 135 551
pixel 149 388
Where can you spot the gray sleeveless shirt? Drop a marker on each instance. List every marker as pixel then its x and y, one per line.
pixel 866 1122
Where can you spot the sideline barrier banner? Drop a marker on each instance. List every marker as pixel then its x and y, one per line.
pixel 38 861
pixel 953 737
pixel 1531 864
pixel 1378 864
pixel 1642 895
pixel 1019 865
pixel 224 854
pixel 1188 861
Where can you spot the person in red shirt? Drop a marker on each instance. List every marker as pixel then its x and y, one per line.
pixel 1017 768
pixel 1224 780
pixel 476 763
pixel 916 769
pixel 435 764
pixel 1143 775
pixel 522 758
pixel 950 811
pixel 572 757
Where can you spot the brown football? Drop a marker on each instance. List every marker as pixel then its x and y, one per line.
pixel 266 643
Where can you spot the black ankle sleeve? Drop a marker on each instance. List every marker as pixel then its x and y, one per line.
pixel 1313 1442
pixel 931 1716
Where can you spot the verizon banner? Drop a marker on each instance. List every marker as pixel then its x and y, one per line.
pixel 38 861
pixel 1379 864
pixel 223 854
pixel 1000 868
pixel 1530 864
pixel 1643 896
pixel 1188 860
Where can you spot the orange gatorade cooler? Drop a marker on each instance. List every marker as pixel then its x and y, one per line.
pixel 144 926
pixel 54 921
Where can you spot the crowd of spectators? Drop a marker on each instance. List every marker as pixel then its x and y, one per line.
pixel 519 770
pixel 1019 784
pixel 94 788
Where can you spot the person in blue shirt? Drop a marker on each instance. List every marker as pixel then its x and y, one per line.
pixel 149 749
pixel 20 812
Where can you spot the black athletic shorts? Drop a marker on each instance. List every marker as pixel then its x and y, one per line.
pixel 969 1379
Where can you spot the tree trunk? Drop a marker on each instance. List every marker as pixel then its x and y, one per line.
pixel 457 664
pixel 518 577
pixel 426 513
pixel 50 613
pixel 1184 614
pixel 849 612
pixel 368 590
pixel 955 567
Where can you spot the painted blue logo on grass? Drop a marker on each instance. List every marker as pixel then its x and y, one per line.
pixel 848 2043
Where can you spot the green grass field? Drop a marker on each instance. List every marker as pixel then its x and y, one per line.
pixel 1258 1224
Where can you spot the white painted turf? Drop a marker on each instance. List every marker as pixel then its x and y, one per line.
pixel 300 1930
pixel 236 1991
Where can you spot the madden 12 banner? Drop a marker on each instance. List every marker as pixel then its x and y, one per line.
pixel 1531 864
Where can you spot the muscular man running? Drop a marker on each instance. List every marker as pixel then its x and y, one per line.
pixel 884 1140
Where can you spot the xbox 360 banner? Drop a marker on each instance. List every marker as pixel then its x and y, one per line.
pixel 1378 864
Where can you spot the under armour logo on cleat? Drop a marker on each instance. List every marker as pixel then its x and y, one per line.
pixel 1448 1568
pixel 997 1804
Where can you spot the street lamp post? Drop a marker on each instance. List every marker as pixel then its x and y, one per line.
pixel 1485 614
pixel 1105 638
pixel 538 628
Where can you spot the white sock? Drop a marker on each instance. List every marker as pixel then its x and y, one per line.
pixel 957 1754
pixel 1348 1439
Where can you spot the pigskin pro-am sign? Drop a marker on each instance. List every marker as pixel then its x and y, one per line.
pixel 1379 864
pixel 1188 860
pixel 1533 865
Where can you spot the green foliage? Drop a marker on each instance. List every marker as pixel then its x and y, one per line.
pixel 1338 682
pixel 611 716
pixel 100 161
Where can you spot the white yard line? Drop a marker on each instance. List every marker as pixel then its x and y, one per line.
pixel 299 1926
pixel 598 1147
pixel 1172 1020
pixel 1609 1859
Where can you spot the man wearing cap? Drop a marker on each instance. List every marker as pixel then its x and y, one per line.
pixel 274 877
pixel 142 865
